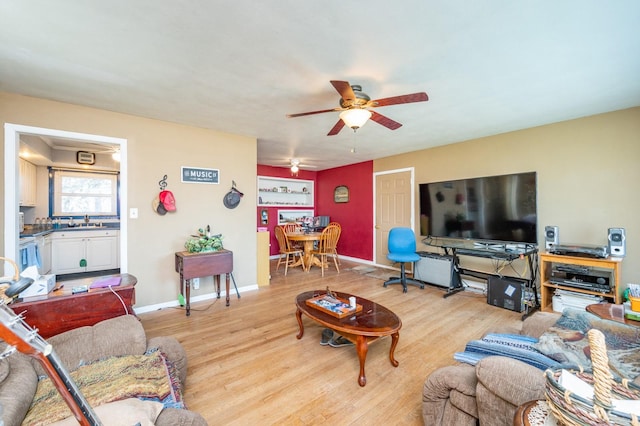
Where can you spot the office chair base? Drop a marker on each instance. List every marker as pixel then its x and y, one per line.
pixel 404 280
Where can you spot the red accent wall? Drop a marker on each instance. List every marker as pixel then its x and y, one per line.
pixel 356 216
pixel 281 172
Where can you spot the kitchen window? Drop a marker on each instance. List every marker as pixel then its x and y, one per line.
pixel 77 193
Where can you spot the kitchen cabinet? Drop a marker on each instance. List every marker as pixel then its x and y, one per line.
pixel 84 251
pixel 285 192
pixel 27 183
pixel 44 247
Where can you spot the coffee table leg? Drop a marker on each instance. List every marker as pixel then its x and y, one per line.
pixel 362 348
pixel 394 342
pixel 299 318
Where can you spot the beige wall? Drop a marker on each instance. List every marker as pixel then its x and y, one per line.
pixel 588 172
pixel 156 148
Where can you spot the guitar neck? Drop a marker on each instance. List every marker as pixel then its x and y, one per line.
pixel 18 335
pixel 69 390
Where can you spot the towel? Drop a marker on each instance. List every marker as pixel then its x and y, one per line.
pixel 30 256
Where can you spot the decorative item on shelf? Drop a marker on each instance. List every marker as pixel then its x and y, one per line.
pixel 232 198
pixel 204 242
pixel 165 201
pixel 341 194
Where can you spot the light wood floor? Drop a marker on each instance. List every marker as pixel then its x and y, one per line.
pixel 247 367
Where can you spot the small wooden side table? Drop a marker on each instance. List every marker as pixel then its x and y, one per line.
pixel 606 311
pixel 195 265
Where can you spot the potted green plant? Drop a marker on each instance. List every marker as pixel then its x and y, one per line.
pixel 204 242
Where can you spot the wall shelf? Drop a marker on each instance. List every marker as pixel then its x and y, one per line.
pixel 283 192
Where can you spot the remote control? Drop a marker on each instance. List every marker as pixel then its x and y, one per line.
pixel 80 289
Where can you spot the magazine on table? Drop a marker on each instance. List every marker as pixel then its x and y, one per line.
pixel 333 306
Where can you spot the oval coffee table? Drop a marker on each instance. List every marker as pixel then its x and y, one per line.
pixel 362 328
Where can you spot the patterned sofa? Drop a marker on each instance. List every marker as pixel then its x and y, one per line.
pixel 106 361
pixel 490 392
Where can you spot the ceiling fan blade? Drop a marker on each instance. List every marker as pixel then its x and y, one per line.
pixel 336 129
pixel 403 99
pixel 385 121
pixel 345 90
pixel 302 114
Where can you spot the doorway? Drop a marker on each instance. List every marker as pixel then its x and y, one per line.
pixel 12 133
pixel 394 201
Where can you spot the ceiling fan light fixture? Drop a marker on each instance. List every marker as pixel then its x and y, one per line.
pixel 355 117
pixel 294 169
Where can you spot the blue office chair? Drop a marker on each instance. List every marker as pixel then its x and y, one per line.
pixel 402 248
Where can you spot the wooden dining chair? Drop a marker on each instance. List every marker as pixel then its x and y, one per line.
pixel 327 247
pixel 290 228
pixel 287 253
pixel 339 226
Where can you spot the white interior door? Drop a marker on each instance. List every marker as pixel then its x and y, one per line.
pixel 394 206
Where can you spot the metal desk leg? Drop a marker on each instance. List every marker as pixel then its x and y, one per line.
pixel 234 285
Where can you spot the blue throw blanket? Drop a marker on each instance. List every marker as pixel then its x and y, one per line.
pixel 509 345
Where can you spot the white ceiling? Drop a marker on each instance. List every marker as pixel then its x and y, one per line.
pixel 240 66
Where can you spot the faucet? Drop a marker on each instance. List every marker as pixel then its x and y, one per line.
pixel 86 220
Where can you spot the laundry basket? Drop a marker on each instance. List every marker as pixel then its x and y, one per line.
pixel 570 409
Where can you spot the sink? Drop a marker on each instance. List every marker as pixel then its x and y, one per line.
pixel 90 226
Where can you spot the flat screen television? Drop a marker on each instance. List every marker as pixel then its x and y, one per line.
pixel 492 208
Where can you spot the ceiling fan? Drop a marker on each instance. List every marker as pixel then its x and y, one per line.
pixel 297 165
pixel 355 107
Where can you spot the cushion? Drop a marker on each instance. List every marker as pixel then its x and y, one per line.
pixel 147 376
pixel 510 380
pixel 17 387
pixel 123 335
pixel 567 342
pixel 130 411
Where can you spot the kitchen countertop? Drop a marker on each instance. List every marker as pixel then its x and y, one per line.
pixel 33 231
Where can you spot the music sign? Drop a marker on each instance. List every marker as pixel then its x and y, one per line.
pixel 200 175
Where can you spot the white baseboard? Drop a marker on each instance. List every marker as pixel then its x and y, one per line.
pixel 208 296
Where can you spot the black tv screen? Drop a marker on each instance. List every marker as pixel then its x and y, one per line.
pixel 492 208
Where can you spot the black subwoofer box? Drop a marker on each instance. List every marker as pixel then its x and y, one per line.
pixel 506 292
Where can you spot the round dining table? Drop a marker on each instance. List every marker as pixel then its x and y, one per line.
pixel 307 240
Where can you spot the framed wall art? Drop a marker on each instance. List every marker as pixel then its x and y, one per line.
pixel 341 194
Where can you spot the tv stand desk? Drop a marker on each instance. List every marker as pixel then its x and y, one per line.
pixel 502 252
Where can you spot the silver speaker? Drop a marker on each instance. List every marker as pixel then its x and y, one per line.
pixel 617 244
pixel 435 269
pixel 551 236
